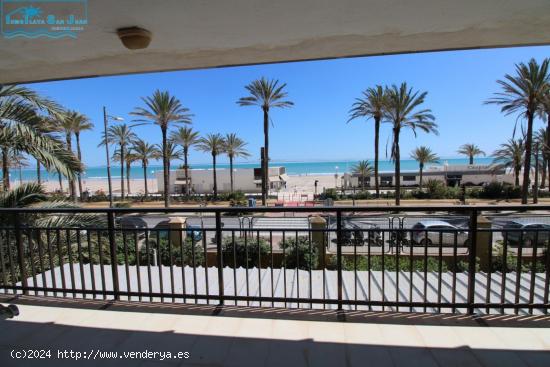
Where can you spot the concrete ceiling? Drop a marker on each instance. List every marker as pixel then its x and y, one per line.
pixel 190 34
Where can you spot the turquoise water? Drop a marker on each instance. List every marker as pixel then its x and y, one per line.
pixel 292 168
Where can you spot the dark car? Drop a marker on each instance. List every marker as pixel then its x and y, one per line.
pixel 527 231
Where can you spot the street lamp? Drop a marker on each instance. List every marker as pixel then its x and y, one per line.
pixel 105 118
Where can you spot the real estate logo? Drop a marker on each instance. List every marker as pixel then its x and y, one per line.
pixel 43 18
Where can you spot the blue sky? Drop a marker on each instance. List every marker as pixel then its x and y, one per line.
pixel 315 128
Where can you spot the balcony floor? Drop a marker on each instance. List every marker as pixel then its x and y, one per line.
pixel 236 336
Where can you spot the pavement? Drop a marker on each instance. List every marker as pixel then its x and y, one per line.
pixel 153 335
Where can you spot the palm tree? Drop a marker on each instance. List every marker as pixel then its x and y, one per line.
pixel 65 124
pixel 121 135
pixel 143 152
pixel 33 194
pixel 79 123
pixel 372 105
pixel 265 94
pixel 18 161
pixel 19 118
pixel 172 152
pixel 186 138
pixel 524 93
pixel 510 155
pixel 470 150
pixel 544 113
pixel 234 147
pixel 129 158
pixel 215 145
pixel 363 169
pixel 423 155
pixel 402 112
pixel 163 110
pixel 541 138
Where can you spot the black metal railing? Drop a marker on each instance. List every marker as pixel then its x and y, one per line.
pixel 468 259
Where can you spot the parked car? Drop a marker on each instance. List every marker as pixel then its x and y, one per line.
pixel 515 231
pixel 430 232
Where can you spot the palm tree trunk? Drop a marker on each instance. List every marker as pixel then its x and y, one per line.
pixel 266 157
pixel 72 184
pixel 122 172
pixel 421 171
pixel 128 167
pixel 231 171
pixel 527 162
pixel 60 180
pixel 516 174
pixel 187 186
pixel 79 154
pixel 547 147
pixel 5 169
pixel 397 168
pixel 215 178
pixel 362 183
pixel 145 178
pixel 543 173
pixel 471 159
pixel 376 142
pixel 166 169
pixel 38 173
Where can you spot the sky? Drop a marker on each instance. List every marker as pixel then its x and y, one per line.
pixel 316 128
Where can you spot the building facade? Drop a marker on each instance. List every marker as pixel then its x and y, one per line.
pixel 201 181
pixel 455 175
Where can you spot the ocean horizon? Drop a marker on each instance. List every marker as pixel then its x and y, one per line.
pixel 292 168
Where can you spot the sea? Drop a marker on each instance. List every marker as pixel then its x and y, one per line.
pixel 292 168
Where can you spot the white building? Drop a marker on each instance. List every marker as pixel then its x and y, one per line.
pixel 201 181
pixel 452 175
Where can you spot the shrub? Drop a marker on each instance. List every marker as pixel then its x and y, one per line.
pixel 243 252
pixel 236 196
pixel 499 190
pixel 299 253
pixel 174 254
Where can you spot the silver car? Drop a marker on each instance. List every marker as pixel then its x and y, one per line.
pixel 428 233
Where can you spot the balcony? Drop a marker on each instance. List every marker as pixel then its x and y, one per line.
pixel 231 287
pixel 347 259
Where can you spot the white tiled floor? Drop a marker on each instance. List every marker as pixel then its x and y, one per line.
pixel 263 341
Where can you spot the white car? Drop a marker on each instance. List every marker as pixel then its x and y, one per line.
pixel 431 232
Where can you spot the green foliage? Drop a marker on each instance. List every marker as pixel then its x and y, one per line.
pixel 498 190
pixel 329 194
pixel 299 253
pixel 244 252
pixel 122 204
pixel 190 253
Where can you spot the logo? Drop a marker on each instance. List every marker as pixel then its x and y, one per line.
pixel 43 18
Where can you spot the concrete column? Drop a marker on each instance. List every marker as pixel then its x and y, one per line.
pixel 319 239
pixel 483 244
pixel 178 232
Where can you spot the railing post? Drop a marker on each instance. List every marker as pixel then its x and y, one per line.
pixel 472 261
pixel 21 254
pixel 113 250
pixel 339 256
pixel 220 255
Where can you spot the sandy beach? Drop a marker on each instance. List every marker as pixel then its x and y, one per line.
pixel 137 185
pixel 297 185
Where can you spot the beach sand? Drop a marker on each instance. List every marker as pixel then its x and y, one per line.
pixel 296 185
pixel 137 185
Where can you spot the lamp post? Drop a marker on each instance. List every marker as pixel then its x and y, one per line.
pixel 105 118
